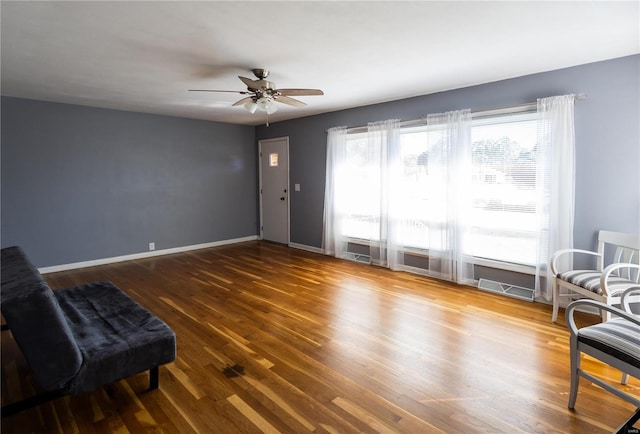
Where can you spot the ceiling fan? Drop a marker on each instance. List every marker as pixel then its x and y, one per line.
pixel 263 93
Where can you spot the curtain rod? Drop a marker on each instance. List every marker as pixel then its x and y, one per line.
pixel 579 97
pixel 519 107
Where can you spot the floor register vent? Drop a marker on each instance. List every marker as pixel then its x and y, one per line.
pixel 365 259
pixel 506 289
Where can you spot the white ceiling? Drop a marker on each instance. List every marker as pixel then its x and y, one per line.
pixel 143 56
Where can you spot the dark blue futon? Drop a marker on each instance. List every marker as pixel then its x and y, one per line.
pixel 78 339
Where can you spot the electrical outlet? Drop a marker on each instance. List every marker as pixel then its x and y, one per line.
pixel 152 246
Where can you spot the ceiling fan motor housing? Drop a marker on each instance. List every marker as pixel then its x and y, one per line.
pixel 260 73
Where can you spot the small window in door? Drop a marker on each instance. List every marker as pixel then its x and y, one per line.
pixel 273 160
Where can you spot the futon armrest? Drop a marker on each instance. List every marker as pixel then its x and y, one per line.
pixel 37 323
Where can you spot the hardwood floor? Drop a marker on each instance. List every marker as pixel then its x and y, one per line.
pixel 274 339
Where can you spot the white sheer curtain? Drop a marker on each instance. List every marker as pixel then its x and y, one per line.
pixel 359 208
pixel 430 204
pixel 334 241
pixel 383 139
pixel 405 198
pixel 459 189
pixel 555 182
pixel 406 203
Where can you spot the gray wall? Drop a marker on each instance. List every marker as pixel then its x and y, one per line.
pixel 82 183
pixel 607 142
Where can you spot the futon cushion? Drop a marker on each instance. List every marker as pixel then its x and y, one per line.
pixel 617 337
pixel 117 336
pixel 37 323
pixel 590 280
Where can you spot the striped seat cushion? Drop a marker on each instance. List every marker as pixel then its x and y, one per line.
pixel 619 338
pixel 590 279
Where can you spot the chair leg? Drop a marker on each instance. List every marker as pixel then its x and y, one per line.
pixel 154 378
pixel 574 355
pixel 625 378
pixel 556 301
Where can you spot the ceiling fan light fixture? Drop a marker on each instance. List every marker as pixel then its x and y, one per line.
pixel 272 108
pixel 251 106
pixel 267 104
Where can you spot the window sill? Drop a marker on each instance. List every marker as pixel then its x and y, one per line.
pixel 485 262
pixel 508 266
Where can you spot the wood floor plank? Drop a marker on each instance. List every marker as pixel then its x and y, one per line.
pixel 274 339
pixel 252 415
pixel 365 417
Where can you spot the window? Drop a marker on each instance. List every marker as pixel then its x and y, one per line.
pixel 500 200
pixel 503 189
pixel 423 208
pixel 359 189
pixel 442 194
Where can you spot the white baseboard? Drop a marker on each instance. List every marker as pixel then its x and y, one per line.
pixel 104 261
pixel 305 247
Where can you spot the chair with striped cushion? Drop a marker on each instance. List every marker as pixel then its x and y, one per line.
pixel 615 342
pixel 617 268
pixel 629 298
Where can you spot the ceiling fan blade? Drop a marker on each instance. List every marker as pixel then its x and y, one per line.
pixel 290 101
pixel 243 92
pixel 243 101
pixel 251 84
pixel 300 92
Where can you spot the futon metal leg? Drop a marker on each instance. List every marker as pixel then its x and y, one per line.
pixel 25 404
pixel 154 378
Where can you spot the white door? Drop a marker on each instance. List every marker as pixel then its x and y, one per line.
pixel 274 188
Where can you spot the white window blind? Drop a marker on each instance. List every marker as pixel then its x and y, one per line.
pixel 503 188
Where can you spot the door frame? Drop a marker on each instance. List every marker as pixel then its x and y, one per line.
pixel 260 142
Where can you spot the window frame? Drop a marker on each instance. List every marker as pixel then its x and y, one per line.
pixel 478 117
